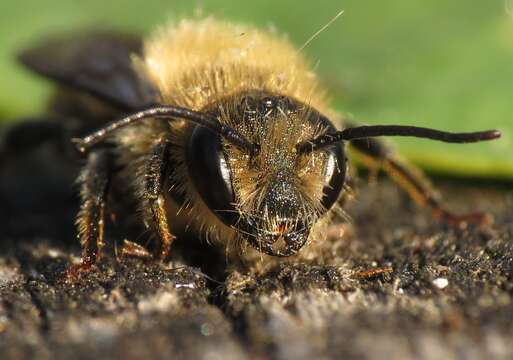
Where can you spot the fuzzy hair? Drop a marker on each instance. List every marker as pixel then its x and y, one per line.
pixel 195 64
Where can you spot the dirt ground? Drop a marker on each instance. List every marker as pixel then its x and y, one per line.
pixel 438 293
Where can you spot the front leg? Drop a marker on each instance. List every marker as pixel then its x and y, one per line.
pixel 94 181
pixel 153 199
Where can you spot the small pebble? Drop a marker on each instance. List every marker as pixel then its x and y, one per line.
pixel 189 286
pixel 441 283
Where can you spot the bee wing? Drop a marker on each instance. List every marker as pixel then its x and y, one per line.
pixel 96 63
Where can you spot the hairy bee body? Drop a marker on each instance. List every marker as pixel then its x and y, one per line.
pixel 229 137
pixel 214 66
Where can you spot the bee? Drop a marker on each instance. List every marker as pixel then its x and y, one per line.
pixel 218 129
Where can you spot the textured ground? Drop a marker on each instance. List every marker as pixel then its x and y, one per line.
pixel 444 294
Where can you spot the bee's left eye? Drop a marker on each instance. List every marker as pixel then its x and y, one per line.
pixel 211 174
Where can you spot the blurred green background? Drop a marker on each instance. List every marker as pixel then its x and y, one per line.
pixel 439 63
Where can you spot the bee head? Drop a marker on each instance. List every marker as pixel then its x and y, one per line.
pixel 267 165
pixel 274 196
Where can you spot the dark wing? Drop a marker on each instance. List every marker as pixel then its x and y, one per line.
pixel 97 63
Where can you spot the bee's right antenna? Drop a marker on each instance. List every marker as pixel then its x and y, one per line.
pixel 166 112
pixel 360 132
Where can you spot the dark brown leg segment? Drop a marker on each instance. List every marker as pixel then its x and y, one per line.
pixel 153 198
pixel 94 181
pixel 374 154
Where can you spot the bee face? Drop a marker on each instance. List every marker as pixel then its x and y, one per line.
pixel 275 196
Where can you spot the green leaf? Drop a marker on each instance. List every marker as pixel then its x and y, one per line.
pixel 444 64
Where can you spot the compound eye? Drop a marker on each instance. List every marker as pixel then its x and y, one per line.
pixel 211 174
pixel 334 174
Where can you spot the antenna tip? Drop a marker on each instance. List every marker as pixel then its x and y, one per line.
pixel 491 135
pixel 79 144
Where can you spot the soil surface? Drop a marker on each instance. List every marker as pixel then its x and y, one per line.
pixel 402 286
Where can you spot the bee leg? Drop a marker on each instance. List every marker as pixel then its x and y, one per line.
pixel 374 153
pixel 94 181
pixel 153 197
pixel 132 249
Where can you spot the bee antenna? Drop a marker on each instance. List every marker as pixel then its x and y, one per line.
pixel 360 132
pixel 169 113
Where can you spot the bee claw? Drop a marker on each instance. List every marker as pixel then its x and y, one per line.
pixel 76 271
pixel 131 249
pixel 461 222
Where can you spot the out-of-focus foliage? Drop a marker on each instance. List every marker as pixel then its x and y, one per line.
pixel 446 64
